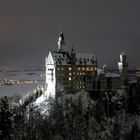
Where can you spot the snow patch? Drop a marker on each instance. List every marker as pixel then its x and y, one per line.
pixel 41 99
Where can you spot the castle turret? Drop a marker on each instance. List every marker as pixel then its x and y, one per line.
pixel 123 68
pixel 50 75
pixel 61 42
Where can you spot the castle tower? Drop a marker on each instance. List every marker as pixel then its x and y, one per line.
pixel 50 76
pixel 61 42
pixel 123 68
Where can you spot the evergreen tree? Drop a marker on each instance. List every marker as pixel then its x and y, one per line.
pixel 6 128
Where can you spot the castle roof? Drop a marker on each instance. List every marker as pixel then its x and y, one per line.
pixel 65 58
pixel 85 59
pixel 61 58
pixel 109 74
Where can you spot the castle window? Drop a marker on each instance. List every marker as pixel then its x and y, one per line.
pixel 79 68
pixel 69 78
pixel 83 68
pixel 92 69
pixel 70 74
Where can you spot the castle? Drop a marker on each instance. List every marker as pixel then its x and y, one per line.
pixel 72 71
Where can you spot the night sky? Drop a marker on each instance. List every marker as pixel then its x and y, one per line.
pixel 28 28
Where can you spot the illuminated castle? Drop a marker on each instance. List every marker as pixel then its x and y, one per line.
pixel 68 70
pixel 71 71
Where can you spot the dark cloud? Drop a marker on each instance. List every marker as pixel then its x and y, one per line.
pixel 28 28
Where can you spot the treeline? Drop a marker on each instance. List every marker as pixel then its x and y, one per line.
pixel 68 117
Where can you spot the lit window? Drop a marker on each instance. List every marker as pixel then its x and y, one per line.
pixel 73 72
pixel 79 68
pixel 83 68
pixel 69 78
pixel 87 68
pixel 70 74
pixel 91 69
pixel 69 68
pixel 62 68
pixel 58 68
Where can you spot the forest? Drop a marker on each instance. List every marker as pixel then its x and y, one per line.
pixel 72 116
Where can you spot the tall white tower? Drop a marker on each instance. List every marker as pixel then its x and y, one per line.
pixel 50 76
pixel 61 42
pixel 123 68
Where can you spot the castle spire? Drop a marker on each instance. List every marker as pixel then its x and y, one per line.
pixel 61 41
pixel 123 68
